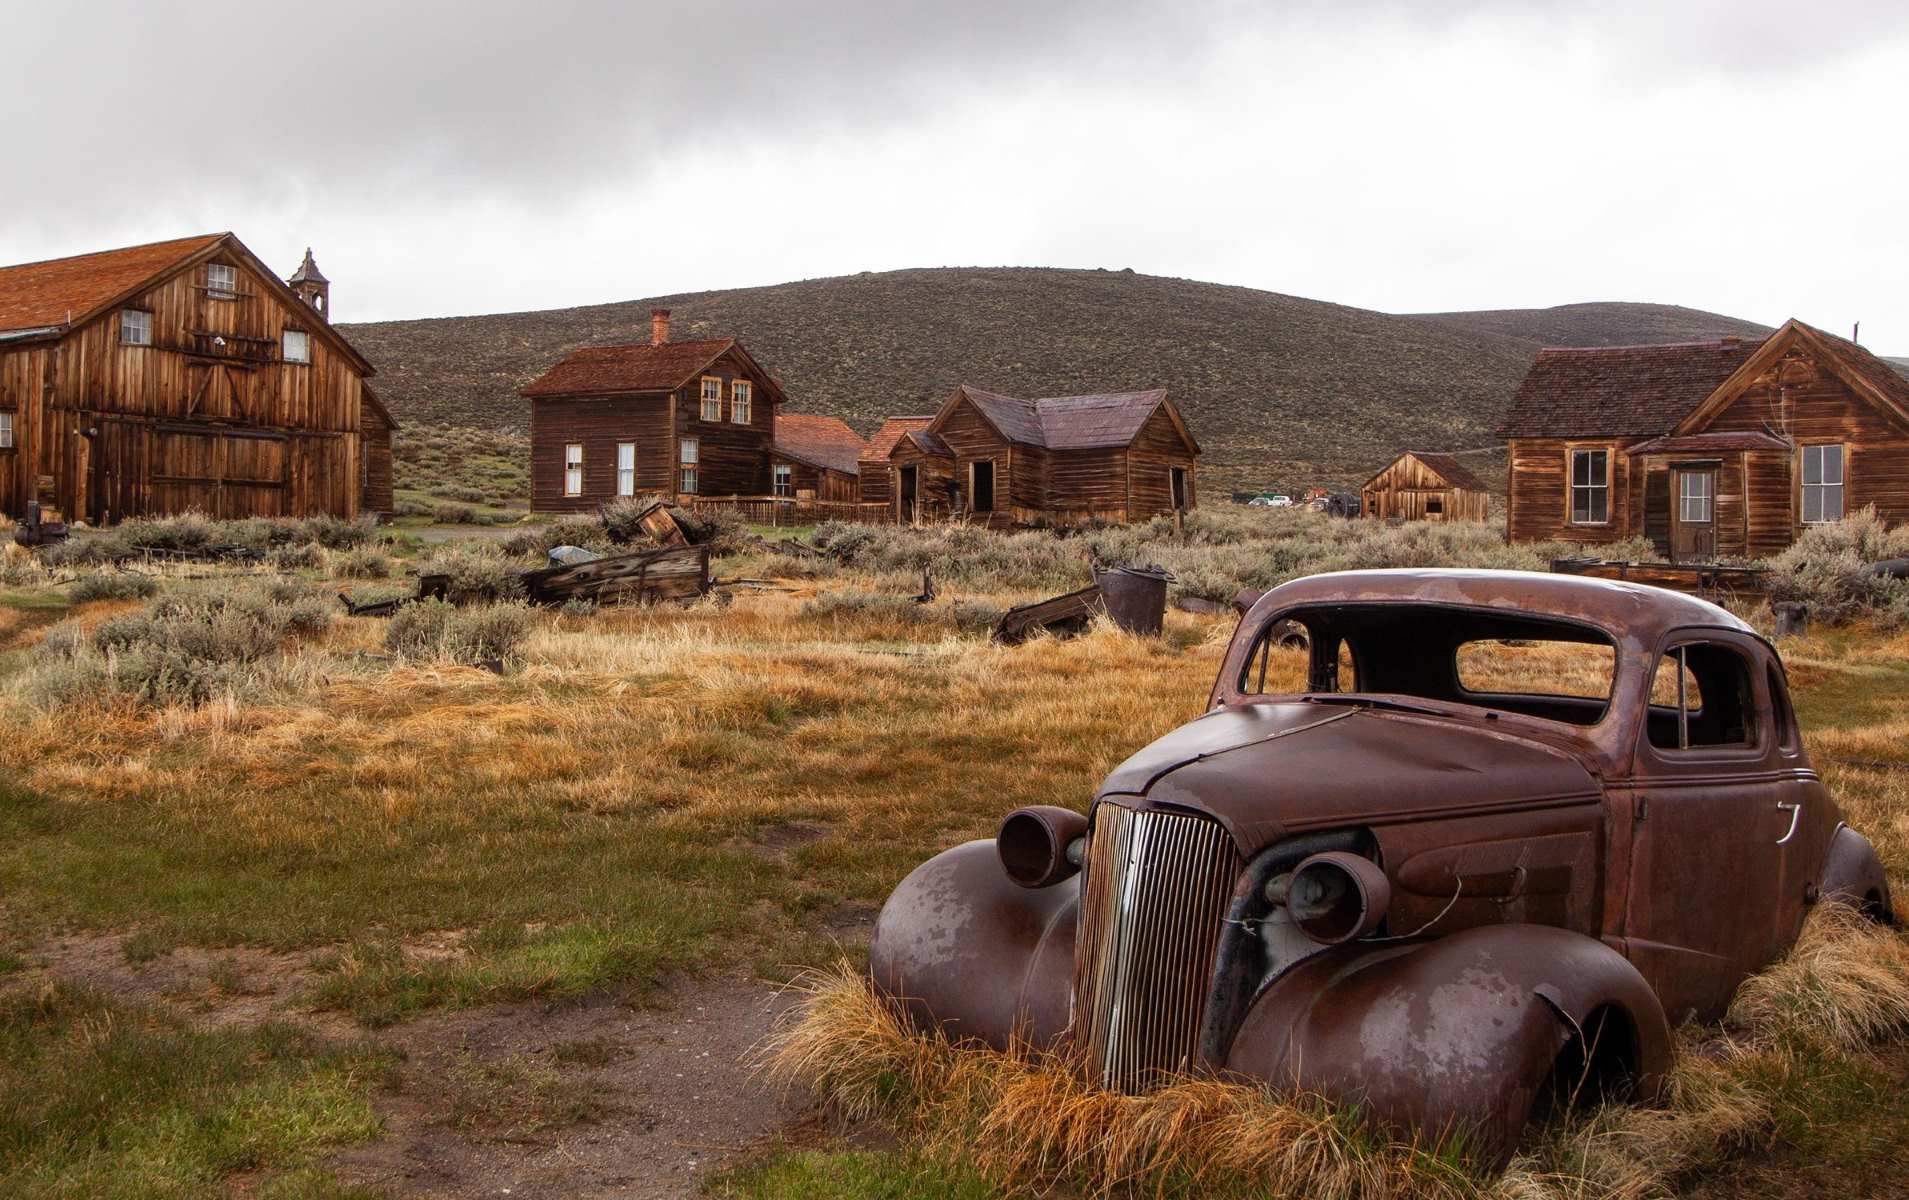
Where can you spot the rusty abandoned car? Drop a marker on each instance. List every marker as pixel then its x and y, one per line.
pixel 1388 869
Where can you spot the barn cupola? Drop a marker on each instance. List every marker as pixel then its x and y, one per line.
pixel 309 284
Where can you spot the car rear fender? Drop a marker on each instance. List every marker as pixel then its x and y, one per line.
pixel 1456 1035
pixel 965 949
pixel 1853 874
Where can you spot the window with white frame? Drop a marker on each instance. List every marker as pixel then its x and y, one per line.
pixel 297 346
pixel 1822 484
pixel 573 469
pixel 740 394
pixel 6 431
pixel 135 327
pixel 626 468
pixel 712 398
pixel 1590 487
pixel 1693 497
pixel 784 480
pixel 221 281
pixel 686 458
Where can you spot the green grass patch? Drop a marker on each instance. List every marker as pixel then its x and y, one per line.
pixel 103 1100
pixel 862 1174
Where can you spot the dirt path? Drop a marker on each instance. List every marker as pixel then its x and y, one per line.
pixel 584 1098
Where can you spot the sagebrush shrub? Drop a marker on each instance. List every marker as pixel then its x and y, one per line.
pixel 363 563
pixel 1828 568
pixel 114 585
pixel 433 631
pixel 478 573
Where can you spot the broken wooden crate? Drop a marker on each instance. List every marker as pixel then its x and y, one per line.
pixel 1063 616
pixel 672 573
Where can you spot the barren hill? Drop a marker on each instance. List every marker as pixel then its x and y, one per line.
pixel 1280 390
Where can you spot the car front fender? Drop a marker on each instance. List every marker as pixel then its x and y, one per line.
pixel 1455 1035
pixel 963 948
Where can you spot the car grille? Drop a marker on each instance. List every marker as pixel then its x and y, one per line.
pixel 1150 917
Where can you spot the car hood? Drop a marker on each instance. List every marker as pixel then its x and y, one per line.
pixel 1267 770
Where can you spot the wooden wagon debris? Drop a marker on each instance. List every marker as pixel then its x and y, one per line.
pixel 1061 615
pixel 35 530
pixel 644 576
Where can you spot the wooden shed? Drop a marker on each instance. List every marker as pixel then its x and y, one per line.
pixel 1060 460
pixel 814 457
pixel 1422 486
pixel 875 480
pixel 181 375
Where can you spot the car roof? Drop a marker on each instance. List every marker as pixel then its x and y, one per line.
pixel 1636 609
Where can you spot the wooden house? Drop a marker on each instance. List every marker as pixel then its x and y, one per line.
pixel 814 457
pixel 875 478
pixel 1421 486
pixel 183 375
pixel 687 419
pixel 1062 460
pixel 1710 449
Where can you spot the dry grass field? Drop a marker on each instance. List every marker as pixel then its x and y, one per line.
pixel 345 918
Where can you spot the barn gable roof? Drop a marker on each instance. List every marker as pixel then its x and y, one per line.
pixel 823 442
pixel 1455 473
pixel 1089 422
pixel 47 299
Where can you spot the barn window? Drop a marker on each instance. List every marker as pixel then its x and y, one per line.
pixel 687 457
pixel 573 469
pixel 784 480
pixel 1822 484
pixel 6 431
pixel 221 281
pixel 740 393
pixel 135 327
pixel 1590 487
pixel 626 468
pixel 298 346
pixel 1434 505
pixel 712 398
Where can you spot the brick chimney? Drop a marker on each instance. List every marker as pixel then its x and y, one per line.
pixel 659 326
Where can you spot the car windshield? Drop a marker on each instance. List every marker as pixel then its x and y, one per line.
pixel 1536 666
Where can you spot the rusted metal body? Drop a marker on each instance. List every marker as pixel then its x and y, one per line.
pixel 1434 902
pixel 35 530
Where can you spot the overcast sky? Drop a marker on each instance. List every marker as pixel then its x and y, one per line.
pixel 1749 156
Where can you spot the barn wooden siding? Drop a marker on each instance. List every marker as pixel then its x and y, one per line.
pixel 1538 501
pixel 1409 489
pixel 817 483
pixel 209 417
pixel 1150 459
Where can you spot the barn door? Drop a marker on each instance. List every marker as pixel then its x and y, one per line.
pixel 908 494
pixel 1693 536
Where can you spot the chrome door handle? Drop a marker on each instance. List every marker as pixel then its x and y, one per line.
pixel 1796 815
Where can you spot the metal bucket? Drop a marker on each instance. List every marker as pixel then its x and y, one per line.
pixel 1136 597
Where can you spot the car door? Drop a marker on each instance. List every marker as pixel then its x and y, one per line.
pixel 1707 868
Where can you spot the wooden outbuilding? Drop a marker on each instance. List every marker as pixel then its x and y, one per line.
pixel 682 419
pixel 183 375
pixel 1062 460
pixel 875 479
pixel 1710 449
pixel 1419 485
pixel 814 457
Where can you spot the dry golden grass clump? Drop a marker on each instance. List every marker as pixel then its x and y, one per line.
pixel 1034 1122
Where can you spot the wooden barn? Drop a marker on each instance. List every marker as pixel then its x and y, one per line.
pixel 686 419
pixel 875 478
pixel 1710 449
pixel 1062 460
pixel 1421 486
pixel 814 457
pixel 183 375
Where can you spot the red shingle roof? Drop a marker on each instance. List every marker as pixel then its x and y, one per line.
pixel 1619 391
pixel 891 432
pixel 1068 422
pixel 818 441
pixel 51 293
pixel 599 370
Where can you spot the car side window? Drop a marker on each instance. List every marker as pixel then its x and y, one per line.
pixel 1780 711
pixel 1702 696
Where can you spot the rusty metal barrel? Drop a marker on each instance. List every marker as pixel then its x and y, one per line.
pixel 1136 597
